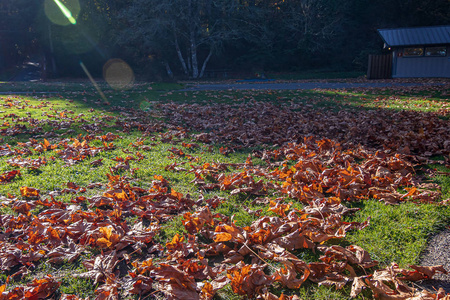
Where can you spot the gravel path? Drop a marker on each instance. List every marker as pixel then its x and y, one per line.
pixel 438 253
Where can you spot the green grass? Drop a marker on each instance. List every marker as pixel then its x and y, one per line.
pixel 433 102
pixel 82 86
pixel 63 273
pixel 77 286
pixel 442 178
pixel 398 233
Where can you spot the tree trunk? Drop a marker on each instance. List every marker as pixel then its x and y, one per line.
pixel 180 55
pixel 52 56
pixel 194 55
pixel 205 63
pixel 189 58
pixel 44 67
pixel 168 70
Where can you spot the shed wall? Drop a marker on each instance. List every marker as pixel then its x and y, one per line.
pixel 421 66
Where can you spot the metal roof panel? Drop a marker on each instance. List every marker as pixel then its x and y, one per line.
pixel 416 36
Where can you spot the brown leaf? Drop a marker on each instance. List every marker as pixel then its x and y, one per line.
pixel 145 267
pixel 357 286
pixel 210 288
pixel 9 176
pixel 99 268
pixel 63 254
pixel 224 233
pixel 248 279
pixel 109 238
pixel 29 192
pixel 177 284
pixel 288 275
pixel 195 222
pixel 42 288
pixel 109 290
pixel 421 273
pixel 141 285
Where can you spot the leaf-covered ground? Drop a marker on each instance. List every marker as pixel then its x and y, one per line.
pixel 153 193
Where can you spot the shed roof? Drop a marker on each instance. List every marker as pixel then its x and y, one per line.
pixel 416 36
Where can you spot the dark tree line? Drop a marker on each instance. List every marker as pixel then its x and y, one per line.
pixel 185 38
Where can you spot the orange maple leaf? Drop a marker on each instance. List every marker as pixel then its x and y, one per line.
pixel 109 238
pixel 29 192
pixel 175 194
pixel 175 243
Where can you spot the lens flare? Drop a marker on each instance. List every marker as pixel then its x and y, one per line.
pixel 62 12
pixel 99 90
pixel 66 12
pixel 118 74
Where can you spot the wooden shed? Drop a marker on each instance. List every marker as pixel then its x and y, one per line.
pixel 418 51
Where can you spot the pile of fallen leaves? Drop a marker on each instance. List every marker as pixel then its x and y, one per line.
pixel 258 123
pixel 217 252
pixel 376 160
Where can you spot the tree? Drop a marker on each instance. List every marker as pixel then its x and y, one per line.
pixel 190 30
pixel 18 37
pixel 289 33
pixel 89 40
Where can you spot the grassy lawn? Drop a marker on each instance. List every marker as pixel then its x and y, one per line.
pixel 154 193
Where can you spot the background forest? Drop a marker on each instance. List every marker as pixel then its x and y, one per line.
pixel 189 38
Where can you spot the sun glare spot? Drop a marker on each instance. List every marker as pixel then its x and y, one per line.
pixel 94 83
pixel 62 12
pixel 118 74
